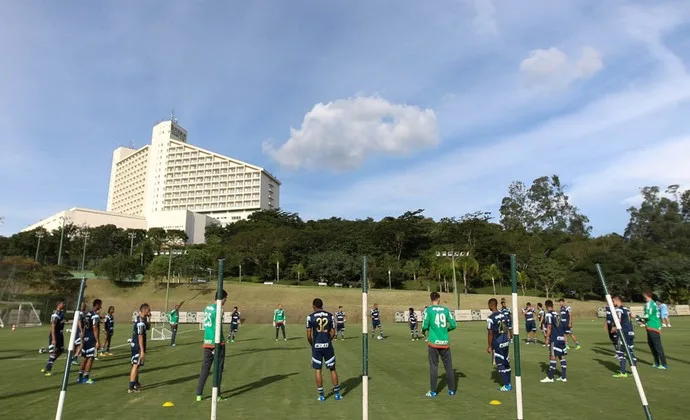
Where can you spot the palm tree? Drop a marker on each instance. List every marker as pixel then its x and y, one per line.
pixel 493 273
pixel 522 280
pixel 297 269
pixel 470 266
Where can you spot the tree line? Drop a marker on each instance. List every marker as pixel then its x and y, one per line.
pixel 552 239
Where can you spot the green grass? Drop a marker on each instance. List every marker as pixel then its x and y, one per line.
pixel 265 379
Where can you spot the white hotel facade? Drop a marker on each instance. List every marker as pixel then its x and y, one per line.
pixel 175 185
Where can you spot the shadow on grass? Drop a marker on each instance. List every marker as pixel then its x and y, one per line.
pixel 175 381
pixel 495 377
pixel 444 383
pixel 606 352
pixel 257 384
pixel 613 367
pixel 646 351
pixel 350 384
pixel 253 351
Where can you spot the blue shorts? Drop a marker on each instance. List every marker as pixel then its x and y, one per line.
pixel 531 326
pixel 234 327
pixel 135 355
pixel 88 347
pixel 557 348
pixel 413 327
pixel 340 327
pixel 629 338
pixel 322 356
pixel 502 352
pixel 375 324
pixel 110 333
pixel 613 337
pixel 59 344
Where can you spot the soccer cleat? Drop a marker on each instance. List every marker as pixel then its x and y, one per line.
pixel 620 375
pixel 662 367
pixel 546 380
pixel 506 388
pixel 431 394
pixel 451 392
pixel 49 373
pixel 578 347
pixel 220 399
pixel 199 398
pixel 232 341
pixel 321 397
pixel 131 391
pixel 655 366
pixel 338 396
pixel 43 370
pixel 88 382
pixel 562 380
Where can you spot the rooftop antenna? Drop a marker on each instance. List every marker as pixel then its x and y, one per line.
pixel 132 143
pixel 172 116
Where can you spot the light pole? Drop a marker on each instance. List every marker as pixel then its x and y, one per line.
pixel 62 237
pixel 83 255
pixel 277 271
pixel 132 235
pixel 452 255
pixel 240 273
pixel 39 235
pixel 389 279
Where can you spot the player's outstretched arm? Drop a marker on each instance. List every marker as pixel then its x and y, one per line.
pixel 425 322
pixel 451 322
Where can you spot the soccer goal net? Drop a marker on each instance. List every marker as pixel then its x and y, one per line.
pixel 20 314
pixel 160 332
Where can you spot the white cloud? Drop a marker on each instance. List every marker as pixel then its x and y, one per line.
pixel 485 17
pixel 342 134
pixel 553 67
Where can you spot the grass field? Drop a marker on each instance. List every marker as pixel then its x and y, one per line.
pixel 265 379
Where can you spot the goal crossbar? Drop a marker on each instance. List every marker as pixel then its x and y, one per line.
pixel 21 314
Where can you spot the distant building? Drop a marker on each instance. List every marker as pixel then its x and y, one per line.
pixel 175 185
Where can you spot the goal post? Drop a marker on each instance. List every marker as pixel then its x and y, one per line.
pixel 21 314
pixel 160 333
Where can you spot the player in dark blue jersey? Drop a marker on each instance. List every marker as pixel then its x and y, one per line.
pixel 320 334
pixel 530 324
pixel 507 316
pixel 555 336
pixel 80 334
pixel 109 329
pixel 56 339
pixel 91 341
pixel 499 343
pixel 627 333
pixel 610 328
pixel 567 317
pixel 138 345
pixel 376 321
pixel 414 325
pixel 340 320
pixel 234 324
pixel 541 315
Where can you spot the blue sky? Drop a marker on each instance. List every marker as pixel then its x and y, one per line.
pixel 361 108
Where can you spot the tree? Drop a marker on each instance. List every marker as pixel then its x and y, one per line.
pixel 522 279
pixel 549 272
pixel 492 273
pixel 297 270
pixel 118 267
pixel 469 266
pixel 411 268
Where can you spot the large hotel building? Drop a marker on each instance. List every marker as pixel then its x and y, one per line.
pixel 175 185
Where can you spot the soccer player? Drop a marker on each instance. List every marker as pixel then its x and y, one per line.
pixel 414 326
pixel 138 345
pixel 279 321
pixel 56 339
pixel 439 321
pixel 80 335
pixel 540 316
pixel 627 333
pixel 376 321
pixel 653 326
pixel 507 317
pixel 567 318
pixel 610 328
pixel 173 320
pixel 663 310
pixel 234 324
pixel 209 348
pixel 340 320
pixel 90 342
pixel 320 335
pixel 109 327
pixel 555 336
pixel 530 324
pixel 499 343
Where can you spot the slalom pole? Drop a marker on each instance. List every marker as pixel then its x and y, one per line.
pixel 633 365
pixel 216 358
pixel 365 345
pixel 516 337
pixel 70 350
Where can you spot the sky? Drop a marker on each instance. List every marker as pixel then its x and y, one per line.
pixel 360 108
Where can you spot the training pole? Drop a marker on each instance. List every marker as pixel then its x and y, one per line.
pixel 516 337
pixel 70 351
pixel 365 345
pixel 621 338
pixel 216 358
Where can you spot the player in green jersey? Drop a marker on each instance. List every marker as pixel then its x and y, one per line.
pixel 279 321
pixel 438 321
pixel 209 348
pixel 174 319
pixel 652 323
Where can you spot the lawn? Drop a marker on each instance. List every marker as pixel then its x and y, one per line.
pixel 265 379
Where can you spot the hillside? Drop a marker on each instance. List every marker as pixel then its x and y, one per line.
pixel 257 301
